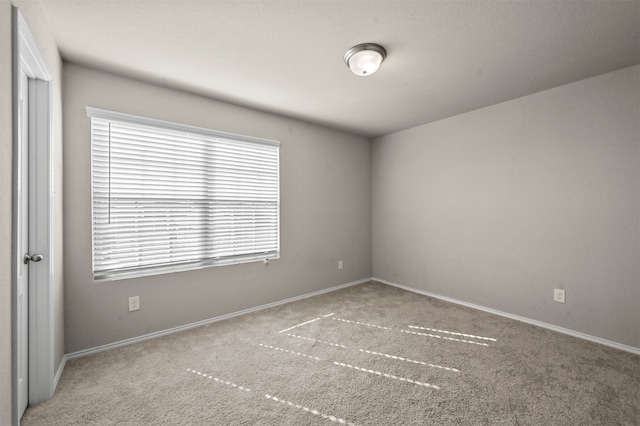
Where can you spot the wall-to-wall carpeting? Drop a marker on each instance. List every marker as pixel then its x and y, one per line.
pixel 365 355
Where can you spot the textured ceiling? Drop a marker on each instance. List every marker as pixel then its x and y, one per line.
pixel 444 57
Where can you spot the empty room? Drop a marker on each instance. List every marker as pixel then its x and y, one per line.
pixel 319 212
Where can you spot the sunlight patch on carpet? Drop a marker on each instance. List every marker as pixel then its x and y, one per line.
pixel 215 379
pixel 390 376
pixel 443 337
pixel 453 333
pixel 361 323
pixel 304 323
pixel 316 340
pixel 310 410
pixel 399 358
pixel 290 352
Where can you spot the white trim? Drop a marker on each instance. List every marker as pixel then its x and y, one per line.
pixel 120 147
pixel 552 327
pixel 171 269
pixel 30 60
pixel 146 121
pixel 133 340
pixel 41 324
pixel 114 345
pixel 58 375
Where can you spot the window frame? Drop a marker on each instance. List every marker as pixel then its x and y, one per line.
pixel 143 271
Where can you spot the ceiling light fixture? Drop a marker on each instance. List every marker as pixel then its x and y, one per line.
pixel 365 59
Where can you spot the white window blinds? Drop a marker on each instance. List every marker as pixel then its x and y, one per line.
pixel 169 197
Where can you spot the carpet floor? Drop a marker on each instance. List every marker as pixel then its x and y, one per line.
pixel 365 355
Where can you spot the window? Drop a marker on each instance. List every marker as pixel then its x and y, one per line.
pixel 169 197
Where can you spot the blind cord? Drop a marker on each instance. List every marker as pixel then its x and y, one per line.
pixel 109 198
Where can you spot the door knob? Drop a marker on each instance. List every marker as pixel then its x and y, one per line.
pixel 34 258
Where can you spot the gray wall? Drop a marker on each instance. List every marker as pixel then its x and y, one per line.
pixel 36 20
pixel 325 215
pixel 499 206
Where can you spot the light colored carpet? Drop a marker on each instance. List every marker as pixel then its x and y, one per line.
pixel 366 355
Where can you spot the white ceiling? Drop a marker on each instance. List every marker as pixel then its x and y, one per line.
pixel 444 57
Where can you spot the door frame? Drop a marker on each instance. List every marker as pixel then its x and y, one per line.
pixel 26 57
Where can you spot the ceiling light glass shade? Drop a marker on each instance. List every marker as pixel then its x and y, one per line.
pixel 365 59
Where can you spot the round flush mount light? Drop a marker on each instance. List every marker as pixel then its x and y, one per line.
pixel 365 59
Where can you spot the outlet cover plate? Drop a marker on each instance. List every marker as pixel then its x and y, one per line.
pixel 558 295
pixel 134 303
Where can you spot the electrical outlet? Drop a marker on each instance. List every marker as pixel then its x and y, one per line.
pixel 134 303
pixel 558 295
pixel 340 264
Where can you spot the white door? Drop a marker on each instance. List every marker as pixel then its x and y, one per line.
pixel 33 329
pixel 22 227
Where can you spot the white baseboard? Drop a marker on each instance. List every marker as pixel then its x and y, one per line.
pixel 114 345
pixel 120 343
pixel 56 378
pixel 570 332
